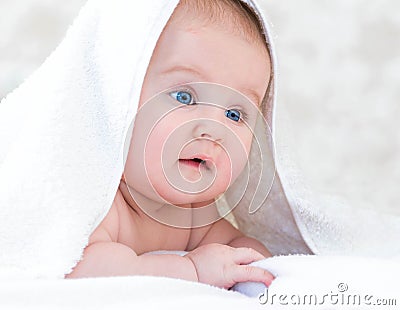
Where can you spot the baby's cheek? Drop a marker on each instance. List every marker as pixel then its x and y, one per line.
pixel 246 139
pixel 238 152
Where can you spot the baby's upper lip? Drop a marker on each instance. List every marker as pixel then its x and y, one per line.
pixel 203 157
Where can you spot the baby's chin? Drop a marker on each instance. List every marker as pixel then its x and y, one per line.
pixel 179 193
pixel 186 200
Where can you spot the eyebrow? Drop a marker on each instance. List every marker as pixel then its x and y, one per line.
pixel 251 94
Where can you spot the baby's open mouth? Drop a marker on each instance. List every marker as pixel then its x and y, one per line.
pixel 198 160
pixel 194 162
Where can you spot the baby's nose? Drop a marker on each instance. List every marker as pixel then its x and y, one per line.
pixel 210 123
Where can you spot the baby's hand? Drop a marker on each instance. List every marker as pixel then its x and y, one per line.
pixel 224 266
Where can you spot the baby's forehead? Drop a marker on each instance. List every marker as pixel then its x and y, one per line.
pixel 233 16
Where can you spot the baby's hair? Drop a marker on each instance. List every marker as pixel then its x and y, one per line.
pixel 233 15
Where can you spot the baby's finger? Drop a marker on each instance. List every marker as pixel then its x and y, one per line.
pixel 244 256
pixel 248 273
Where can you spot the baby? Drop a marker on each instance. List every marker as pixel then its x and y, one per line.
pixel 218 42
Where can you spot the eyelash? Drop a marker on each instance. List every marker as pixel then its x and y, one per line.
pixel 243 115
pixel 190 91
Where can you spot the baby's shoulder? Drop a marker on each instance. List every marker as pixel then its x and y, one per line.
pixel 108 229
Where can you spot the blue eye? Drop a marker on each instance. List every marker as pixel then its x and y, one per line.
pixel 183 97
pixel 233 115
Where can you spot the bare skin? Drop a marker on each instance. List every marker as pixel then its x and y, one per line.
pixel 217 252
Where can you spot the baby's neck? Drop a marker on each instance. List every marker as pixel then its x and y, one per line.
pixel 183 216
pixel 171 215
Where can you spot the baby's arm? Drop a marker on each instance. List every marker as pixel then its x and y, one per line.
pixel 214 264
pixel 104 256
pixel 107 258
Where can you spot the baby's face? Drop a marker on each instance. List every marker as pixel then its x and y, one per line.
pixel 191 140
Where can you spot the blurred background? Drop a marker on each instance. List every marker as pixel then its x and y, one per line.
pixel 338 87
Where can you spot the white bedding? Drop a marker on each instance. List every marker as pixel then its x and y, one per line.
pixel 136 292
pixel 297 277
